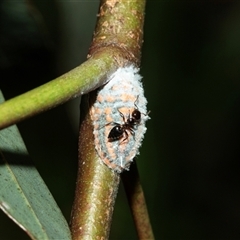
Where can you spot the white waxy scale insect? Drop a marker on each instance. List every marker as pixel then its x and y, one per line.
pixel 119 115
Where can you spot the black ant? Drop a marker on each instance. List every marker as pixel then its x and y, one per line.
pixel 117 132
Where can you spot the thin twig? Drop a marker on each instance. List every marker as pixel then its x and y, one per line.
pixel 137 203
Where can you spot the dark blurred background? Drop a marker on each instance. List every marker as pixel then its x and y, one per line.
pixel 189 162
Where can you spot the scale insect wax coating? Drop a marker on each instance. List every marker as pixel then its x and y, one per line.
pixel 119 115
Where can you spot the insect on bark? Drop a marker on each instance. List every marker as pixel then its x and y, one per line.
pixel 119 115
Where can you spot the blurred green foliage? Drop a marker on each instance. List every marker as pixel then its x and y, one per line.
pixel 189 162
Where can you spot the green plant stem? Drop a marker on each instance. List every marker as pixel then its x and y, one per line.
pixel 96 190
pixel 88 76
pixel 120 25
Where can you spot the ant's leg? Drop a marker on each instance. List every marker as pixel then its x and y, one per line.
pixel 122 116
pixel 147 113
pixel 137 107
pixel 132 132
pixel 126 137
pixel 114 123
pixel 136 101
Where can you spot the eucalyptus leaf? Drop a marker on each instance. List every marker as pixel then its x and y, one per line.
pixel 24 197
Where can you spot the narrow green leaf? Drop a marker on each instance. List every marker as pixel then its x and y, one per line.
pixel 24 196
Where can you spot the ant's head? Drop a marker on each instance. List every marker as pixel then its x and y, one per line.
pixel 136 115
